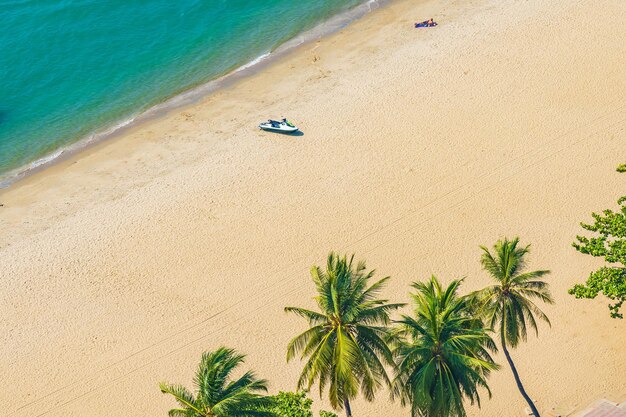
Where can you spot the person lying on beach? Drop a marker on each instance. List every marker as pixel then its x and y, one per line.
pixel 426 24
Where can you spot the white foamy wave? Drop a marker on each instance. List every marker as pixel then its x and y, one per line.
pixel 373 5
pixel 107 132
pixel 14 175
pixel 254 62
pixel 331 25
pixel 46 159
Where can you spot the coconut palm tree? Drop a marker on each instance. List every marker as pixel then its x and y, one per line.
pixel 347 342
pixel 509 305
pixel 217 394
pixel 444 353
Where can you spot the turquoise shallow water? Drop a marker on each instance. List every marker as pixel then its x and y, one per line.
pixel 69 68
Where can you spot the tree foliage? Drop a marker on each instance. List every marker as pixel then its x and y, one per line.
pixel 217 394
pixel 291 404
pixel 509 305
pixel 609 242
pixel 346 343
pixel 443 357
pixel 294 404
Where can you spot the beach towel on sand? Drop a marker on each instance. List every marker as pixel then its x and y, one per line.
pixel 426 24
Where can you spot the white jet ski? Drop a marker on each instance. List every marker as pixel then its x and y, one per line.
pixel 284 126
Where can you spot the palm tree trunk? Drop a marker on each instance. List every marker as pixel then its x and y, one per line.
pixel 346 405
pixel 516 376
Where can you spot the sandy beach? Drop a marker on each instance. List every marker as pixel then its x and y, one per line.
pixel 121 264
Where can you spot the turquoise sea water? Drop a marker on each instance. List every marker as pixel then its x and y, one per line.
pixel 69 68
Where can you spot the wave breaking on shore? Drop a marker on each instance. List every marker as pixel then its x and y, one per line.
pixel 195 94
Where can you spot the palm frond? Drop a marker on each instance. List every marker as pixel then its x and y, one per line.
pixel 509 304
pixel 217 394
pixel 181 395
pixel 347 344
pixel 181 412
pixel 444 357
pixel 300 342
pixel 247 383
pixel 312 316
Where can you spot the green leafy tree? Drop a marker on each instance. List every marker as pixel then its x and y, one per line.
pixel 295 404
pixel 292 404
pixel 621 168
pixel 217 395
pixel 347 342
pixel 509 305
pixel 610 243
pixel 444 353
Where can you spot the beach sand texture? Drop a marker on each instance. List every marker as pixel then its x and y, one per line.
pixel 122 264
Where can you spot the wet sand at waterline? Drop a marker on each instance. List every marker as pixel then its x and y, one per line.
pixel 121 264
